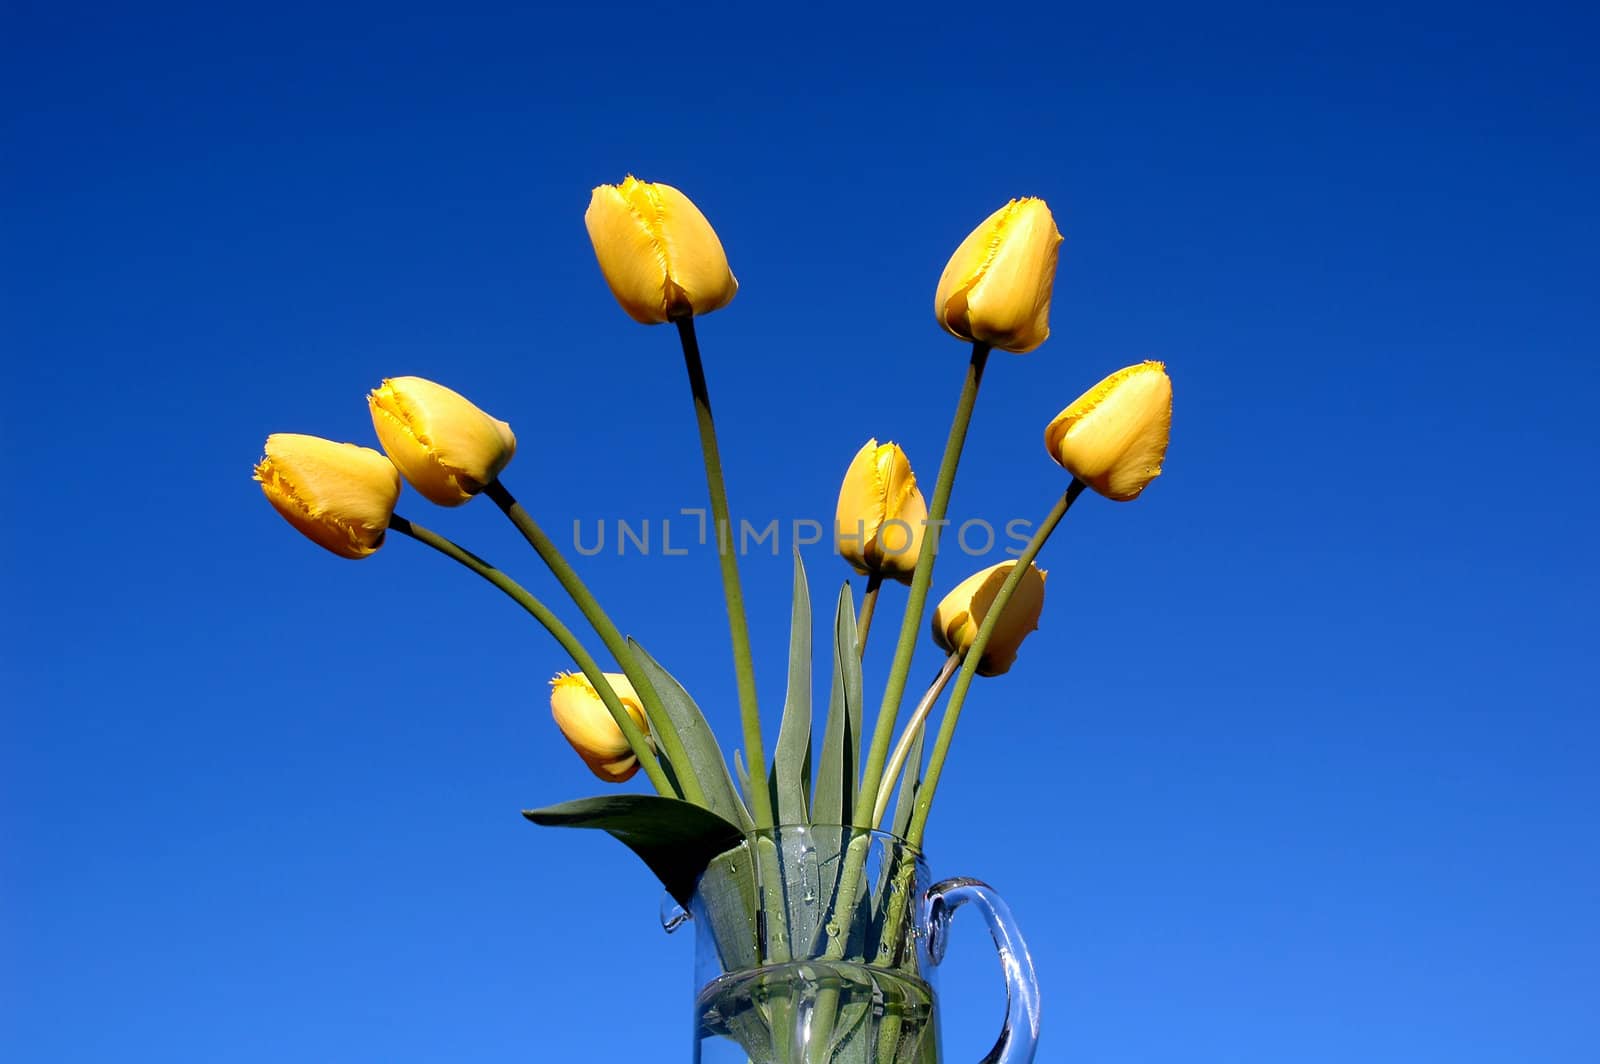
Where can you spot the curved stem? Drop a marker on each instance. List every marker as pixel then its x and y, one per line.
pixel 903 748
pixel 609 635
pixel 921 578
pixel 638 742
pixel 869 603
pixel 969 668
pixel 738 626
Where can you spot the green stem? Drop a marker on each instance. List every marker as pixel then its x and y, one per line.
pixel 869 603
pixel 902 749
pixel 638 742
pixel 727 556
pixel 969 668
pixel 921 578
pixel 614 642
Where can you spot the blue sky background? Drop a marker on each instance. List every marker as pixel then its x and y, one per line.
pixel 1301 766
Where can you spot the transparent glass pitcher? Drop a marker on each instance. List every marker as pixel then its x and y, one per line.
pixel 817 945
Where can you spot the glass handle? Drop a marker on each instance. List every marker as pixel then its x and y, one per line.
pixel 1019 1038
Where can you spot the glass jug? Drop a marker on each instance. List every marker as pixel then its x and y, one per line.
pixel 817 945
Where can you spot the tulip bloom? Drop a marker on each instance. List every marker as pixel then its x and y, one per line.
pixel 961 613
pixel 589 727
pixel 658 253
pixel 1114 436
pixel 881 516
pixel 446 447
pixel 996 287
pixel 338 495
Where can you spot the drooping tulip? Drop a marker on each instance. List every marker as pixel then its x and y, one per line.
pixel 448 449
pixel 1114 436
pixel 996 288
pixel 589 727
pixel 658 253
pixel 339 495
pixel 881 516
pixel 961 613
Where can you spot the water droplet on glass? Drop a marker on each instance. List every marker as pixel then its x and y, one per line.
pixel 673 915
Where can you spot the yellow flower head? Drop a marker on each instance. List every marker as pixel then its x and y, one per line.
pixel 338 495
pixel 658 253
pixel 881 516
pixel 1114 436
pixel 996 287
pixel 961 613
pixel 447 448
pixel 587 724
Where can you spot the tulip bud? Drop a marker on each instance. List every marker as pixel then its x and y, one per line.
pixel 961 613
pixel 881 516
pixel 589 727
pixel 447 448
pixel 658 253
pixel 339 495
pixel 1114 436
pixel 996 287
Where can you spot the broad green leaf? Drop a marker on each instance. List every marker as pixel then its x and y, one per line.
pixel 676 839
pixel 699 743
pixel 835 797
pixel 791 762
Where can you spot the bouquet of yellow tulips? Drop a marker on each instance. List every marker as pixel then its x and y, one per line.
pixel 784 863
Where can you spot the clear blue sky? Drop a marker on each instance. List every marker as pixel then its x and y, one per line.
pixel 1300 768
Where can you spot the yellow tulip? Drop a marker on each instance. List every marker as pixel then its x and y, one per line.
pixel 339 495
pixel 996 287
pixel 1114 436
pixel 447 448
pixel 588 726
pixel 881 516
pixel 660 256
pixel 961 613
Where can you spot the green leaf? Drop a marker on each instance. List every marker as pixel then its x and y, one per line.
pixel 850 1017
pixel 791 762
pixel 676 839
pixel 910 784
pixel 835 798
pixel 739 771
pixel 705 756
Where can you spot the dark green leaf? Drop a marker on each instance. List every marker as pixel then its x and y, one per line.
pixel 835 798
pixel 699 743
pixel 791 762
pixel 676 839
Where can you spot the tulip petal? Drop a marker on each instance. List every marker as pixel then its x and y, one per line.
pixel 698 278
pixel 338 495
pixel 860 508
pixel 447 448
pixel 587 724
pixel 961 613
pixel 658 253
pixel 631 257
pixel 997 286
pixel 881 516
pixel 1114 436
